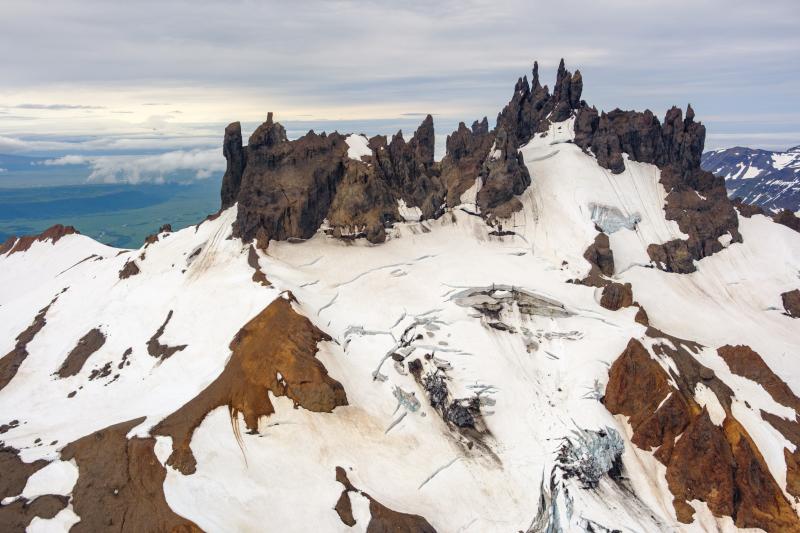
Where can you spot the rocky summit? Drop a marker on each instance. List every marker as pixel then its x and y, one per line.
pixel 563 325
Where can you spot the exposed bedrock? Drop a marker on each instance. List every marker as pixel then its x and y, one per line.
pixel 696 199
pixel 791 303
pixel 20 244
pixel 467 149
pixel 707 459
pixel 285 189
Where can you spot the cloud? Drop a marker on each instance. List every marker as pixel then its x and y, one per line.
pixel 57 107
pixel 3 170
pixel 175 165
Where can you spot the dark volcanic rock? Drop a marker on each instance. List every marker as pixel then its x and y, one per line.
pixel 696 199
pixel 532 108
pixel 467 149
pixel 236 157
pixel 504 177
pixel 287 187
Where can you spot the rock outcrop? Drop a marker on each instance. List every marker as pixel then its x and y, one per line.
pixel 286 189
pixel 708 460
pixel 697 200
pixel 467 149
pixel 53 234
pixel 791 303
pixel 273 353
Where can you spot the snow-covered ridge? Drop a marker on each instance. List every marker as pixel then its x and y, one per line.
pixel 474 360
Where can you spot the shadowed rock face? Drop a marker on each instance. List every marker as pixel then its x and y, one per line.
pixel 236 157
pixel 286 187
pixel 467 149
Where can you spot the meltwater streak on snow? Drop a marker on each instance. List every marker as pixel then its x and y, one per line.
pixel 537 377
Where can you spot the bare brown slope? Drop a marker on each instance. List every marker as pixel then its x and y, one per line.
pixel 277 341
pixel 120 484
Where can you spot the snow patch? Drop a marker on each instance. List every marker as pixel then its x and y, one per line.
pixel 358 147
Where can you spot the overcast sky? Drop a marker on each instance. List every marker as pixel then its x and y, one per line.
pixel 94 77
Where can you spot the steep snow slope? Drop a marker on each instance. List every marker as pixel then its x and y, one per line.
pixel 761 177
pixel 474 366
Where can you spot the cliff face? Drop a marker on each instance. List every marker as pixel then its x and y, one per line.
pixel 286 189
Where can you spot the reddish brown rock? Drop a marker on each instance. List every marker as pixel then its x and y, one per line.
pixel 53 234
pixel 641 317
pixel 120 484
pixel 129 269
pixel 701 468
pixel 15 471
pixel 277 341
pixel 258 275
pixel 162 351
pixel 718 465
pixel 791 303
pixel 616 296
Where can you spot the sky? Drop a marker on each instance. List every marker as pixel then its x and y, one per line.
pixel 134 88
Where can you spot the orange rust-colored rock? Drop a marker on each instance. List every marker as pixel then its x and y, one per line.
pixel 791 430
pixel 10 363
pixel 760 501
pixel 87 345
pixel 53 234
pixel 718 465
pixel 641 317
pixel 120 484
pixel 382 519
pixel 616 296
pixel 637 384
pixel 745 362
pixel 701 468
pixel 277 341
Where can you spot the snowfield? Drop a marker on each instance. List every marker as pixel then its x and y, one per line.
pixel 497 317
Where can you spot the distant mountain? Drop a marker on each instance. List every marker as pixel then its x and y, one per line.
pixel 767 179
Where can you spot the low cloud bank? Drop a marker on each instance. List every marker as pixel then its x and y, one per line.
pixel 159 168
